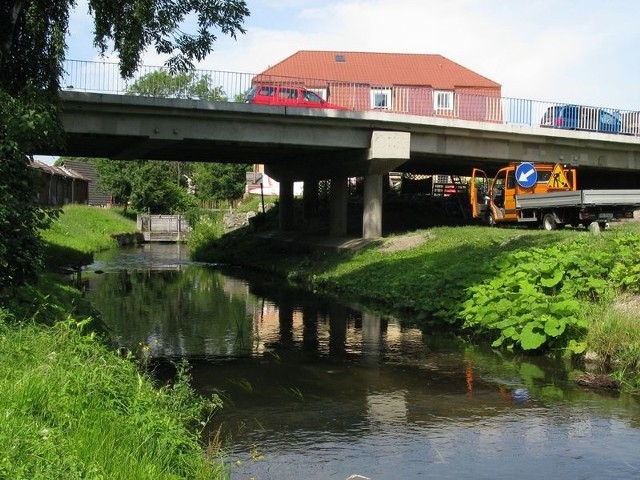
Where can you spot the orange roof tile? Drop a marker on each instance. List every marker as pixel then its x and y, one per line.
pixel 383 68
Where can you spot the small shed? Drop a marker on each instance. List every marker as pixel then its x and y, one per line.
pixel 98 196
pixel 60 185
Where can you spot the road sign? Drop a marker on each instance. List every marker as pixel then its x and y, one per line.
pixel 558 179
pixel 526 175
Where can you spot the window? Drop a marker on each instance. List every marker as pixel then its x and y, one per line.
pixel 442 100
pixel 321 92
pixel 311 97
pixel 288 93
pixel 381 98
pixel 267 91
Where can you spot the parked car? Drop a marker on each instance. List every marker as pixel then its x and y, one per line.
pixel 577 117
pixel 288 95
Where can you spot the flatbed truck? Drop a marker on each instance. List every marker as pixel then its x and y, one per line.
pixel 545 195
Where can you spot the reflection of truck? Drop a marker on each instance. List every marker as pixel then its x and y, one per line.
pixel 545 195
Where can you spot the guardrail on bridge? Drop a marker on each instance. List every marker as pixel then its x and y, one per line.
pixel 104 77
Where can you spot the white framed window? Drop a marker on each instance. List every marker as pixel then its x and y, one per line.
pixel 442 100
pixel 381 98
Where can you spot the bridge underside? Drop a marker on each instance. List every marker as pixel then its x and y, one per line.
pixel 299 144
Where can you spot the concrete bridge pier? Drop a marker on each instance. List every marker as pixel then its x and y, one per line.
pixel 286 210
pixel 310 198
pixel 372 214
pixel 338 198
pixel 388 151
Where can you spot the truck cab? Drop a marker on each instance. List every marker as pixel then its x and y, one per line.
pixel 496 200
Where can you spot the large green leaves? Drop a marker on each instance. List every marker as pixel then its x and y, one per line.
pixel 534 300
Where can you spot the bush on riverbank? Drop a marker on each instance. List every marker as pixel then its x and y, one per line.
pixel 520 289
pixel 208 226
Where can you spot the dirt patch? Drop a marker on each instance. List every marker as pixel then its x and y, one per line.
pixel 405 242
pixel 628 304
pixel 597 381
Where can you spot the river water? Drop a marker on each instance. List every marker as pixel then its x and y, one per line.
pixel 315 389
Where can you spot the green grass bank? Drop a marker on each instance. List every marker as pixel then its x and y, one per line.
pixel 73 406
pixel 568 292
pixel 81 231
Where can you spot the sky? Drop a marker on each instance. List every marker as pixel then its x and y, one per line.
pixel 573 51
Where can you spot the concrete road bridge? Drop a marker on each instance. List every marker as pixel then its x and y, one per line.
pixel 299 144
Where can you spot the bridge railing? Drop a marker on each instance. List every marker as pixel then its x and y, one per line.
pixel 104 77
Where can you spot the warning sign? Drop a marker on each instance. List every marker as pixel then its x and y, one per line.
pixel 558 179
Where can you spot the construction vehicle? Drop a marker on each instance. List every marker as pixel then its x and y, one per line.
pixel 545 195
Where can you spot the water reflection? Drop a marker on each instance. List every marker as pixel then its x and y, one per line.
pixel 322 390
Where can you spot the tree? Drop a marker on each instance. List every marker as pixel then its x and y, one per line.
pixel 182 85
pixel 115 178
pixel 32 51
pixel 219 181
pixel 153 189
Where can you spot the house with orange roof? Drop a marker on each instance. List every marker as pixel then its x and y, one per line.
pixel 419 84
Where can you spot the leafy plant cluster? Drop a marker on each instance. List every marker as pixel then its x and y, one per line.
pixel 26 122
pixel 625 272
pixel 534 300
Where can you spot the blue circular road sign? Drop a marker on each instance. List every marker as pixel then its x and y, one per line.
pixel 526 175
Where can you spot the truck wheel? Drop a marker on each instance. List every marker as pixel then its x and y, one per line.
pixel 549 222
pixel 491 221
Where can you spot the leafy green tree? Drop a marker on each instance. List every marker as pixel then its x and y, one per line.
pixel 20 217
pixel 153 190
pixel 32 51
pixel 219 181
pixel 115 178
pixel 182 85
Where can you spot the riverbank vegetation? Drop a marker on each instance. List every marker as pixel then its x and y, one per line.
pixel 208 225
pixel 75 407
pixel 533 291
pixel 82 230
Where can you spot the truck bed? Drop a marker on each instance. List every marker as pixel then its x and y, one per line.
pixel 579 198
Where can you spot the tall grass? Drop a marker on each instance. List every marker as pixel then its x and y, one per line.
pixel 614 335
pixel 73 409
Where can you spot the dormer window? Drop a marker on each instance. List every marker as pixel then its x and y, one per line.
pixel 381 98
pixel 442 100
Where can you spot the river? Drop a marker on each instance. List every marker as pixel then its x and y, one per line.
pixel 315 389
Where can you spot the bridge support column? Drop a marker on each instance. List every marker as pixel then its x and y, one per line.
pixel 338 207
pixel 372 214
pixel 310 198
pixel 387 151
pixel 286 214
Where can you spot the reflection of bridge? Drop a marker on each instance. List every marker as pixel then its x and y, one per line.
pixel 298 144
